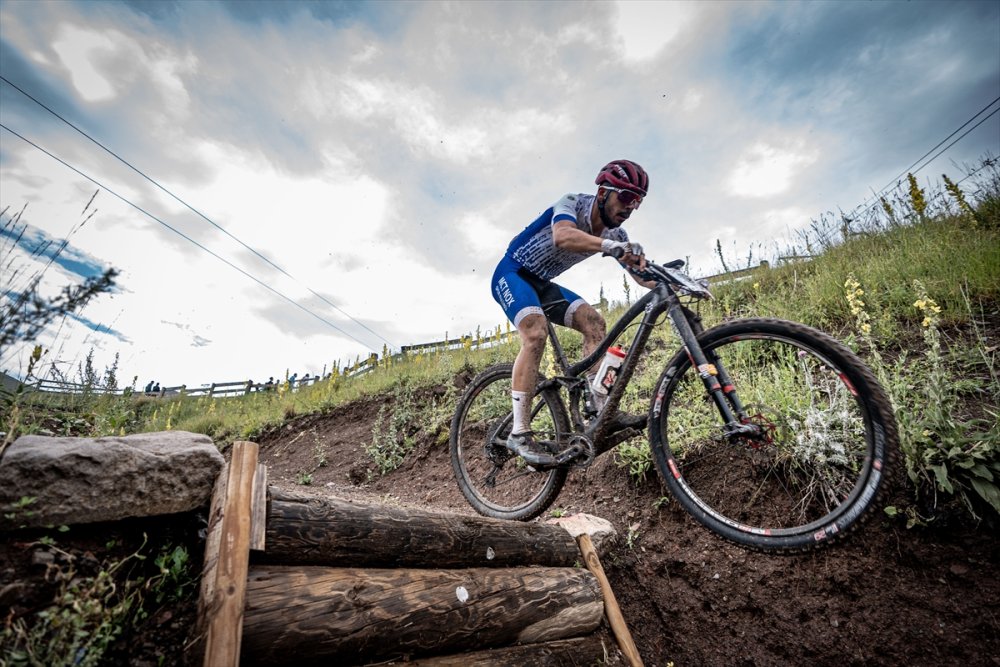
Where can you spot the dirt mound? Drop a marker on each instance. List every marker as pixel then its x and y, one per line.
pixel 888 596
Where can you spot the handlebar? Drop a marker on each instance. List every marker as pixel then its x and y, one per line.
pixel 669 273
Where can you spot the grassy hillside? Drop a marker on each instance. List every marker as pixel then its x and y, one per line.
pixel 914 289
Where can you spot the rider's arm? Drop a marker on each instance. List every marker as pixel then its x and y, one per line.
pixel 567 236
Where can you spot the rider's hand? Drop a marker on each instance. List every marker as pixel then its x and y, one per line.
pixel 616 249
pixel 626 252
pixel 637 257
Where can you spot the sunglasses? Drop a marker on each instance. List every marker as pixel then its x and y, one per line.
pixel 626 197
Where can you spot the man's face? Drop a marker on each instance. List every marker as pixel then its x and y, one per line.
pixel 616 211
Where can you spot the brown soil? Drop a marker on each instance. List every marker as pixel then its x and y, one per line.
pixel 887 596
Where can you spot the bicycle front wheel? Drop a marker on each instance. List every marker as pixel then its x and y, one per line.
pixel 495 481
pixel 819 458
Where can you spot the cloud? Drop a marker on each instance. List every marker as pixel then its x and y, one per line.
pixel 384 154
pixel 766 171
pixel 645 27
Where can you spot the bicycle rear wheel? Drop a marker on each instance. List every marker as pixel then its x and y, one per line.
pixel 827 437
pixel 495 481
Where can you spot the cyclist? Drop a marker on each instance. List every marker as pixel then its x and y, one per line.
pixel 574 228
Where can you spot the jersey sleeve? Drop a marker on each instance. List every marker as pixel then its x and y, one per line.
pixel 565 209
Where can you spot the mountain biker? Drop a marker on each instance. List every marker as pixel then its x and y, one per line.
pixel 574 228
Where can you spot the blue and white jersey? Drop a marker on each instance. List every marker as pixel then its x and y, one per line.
pixel 534 248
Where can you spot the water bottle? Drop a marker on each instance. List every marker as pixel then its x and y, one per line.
pixel 607 372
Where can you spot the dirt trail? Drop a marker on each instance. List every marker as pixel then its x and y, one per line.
pixel 889 596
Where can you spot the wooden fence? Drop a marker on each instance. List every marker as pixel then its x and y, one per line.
pixel 361 366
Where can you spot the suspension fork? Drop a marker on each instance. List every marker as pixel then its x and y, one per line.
pixel 728 388
pixel 715 378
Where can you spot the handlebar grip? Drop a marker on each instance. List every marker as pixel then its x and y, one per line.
pixel 617 253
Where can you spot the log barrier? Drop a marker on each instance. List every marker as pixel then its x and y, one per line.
pixel 299 580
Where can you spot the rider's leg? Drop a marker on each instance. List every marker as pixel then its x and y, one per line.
pixel 590 323
pixel 533 332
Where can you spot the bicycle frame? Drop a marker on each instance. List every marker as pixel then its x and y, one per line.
pixel 661 298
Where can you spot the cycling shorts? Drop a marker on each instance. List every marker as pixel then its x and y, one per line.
pixel 521 293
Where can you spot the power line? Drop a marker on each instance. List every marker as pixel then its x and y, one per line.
pixel 194 210
pixel 895 180
pixel 938 154
pixel 866 206
pixel 184 236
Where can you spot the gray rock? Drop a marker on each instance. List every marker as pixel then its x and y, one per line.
pixel 602 532
pixel 85 480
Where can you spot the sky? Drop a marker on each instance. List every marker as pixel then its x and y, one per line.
pixel 288 185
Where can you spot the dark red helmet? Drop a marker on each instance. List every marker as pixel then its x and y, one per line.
pixel 624 174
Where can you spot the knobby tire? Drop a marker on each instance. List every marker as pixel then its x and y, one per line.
pixel 496 482
pixel 830 438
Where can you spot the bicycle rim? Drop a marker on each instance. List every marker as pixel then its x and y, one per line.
pixel 818 464
pixel 496 482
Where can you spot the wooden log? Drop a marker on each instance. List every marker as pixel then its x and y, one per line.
pixel 225 621
pixel 320 615
pixel 576 652
pixel 328 531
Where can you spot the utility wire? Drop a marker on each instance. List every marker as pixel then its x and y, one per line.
pixel 895 180
pixel 938 154
pixel 875 197
pixel 191 208
pixel 184 236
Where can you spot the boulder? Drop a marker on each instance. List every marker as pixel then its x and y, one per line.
pixel 86 480
pixel 602 532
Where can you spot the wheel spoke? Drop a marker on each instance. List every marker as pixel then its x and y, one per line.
pixel 495 481
pixel 815 457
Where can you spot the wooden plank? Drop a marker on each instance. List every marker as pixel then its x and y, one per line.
pixel 611 608
pixel 225 622
pixel 258 514
pixel 329 616
pixel 327 531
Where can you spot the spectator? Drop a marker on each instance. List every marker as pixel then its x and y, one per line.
pixel 269 385
pixel 305 379
pixel 156 388
pixel 149 388
pixel 249 386
pixel 291 380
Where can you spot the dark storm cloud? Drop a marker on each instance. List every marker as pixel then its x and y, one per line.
pixel 21 113
pixel 909 73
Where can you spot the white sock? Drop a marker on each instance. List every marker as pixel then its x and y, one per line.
pixel 522 411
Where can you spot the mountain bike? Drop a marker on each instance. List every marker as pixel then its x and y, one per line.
pixel 770 433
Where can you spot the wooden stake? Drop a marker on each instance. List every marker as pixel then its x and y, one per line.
pixel 611 608
pixel 225 622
